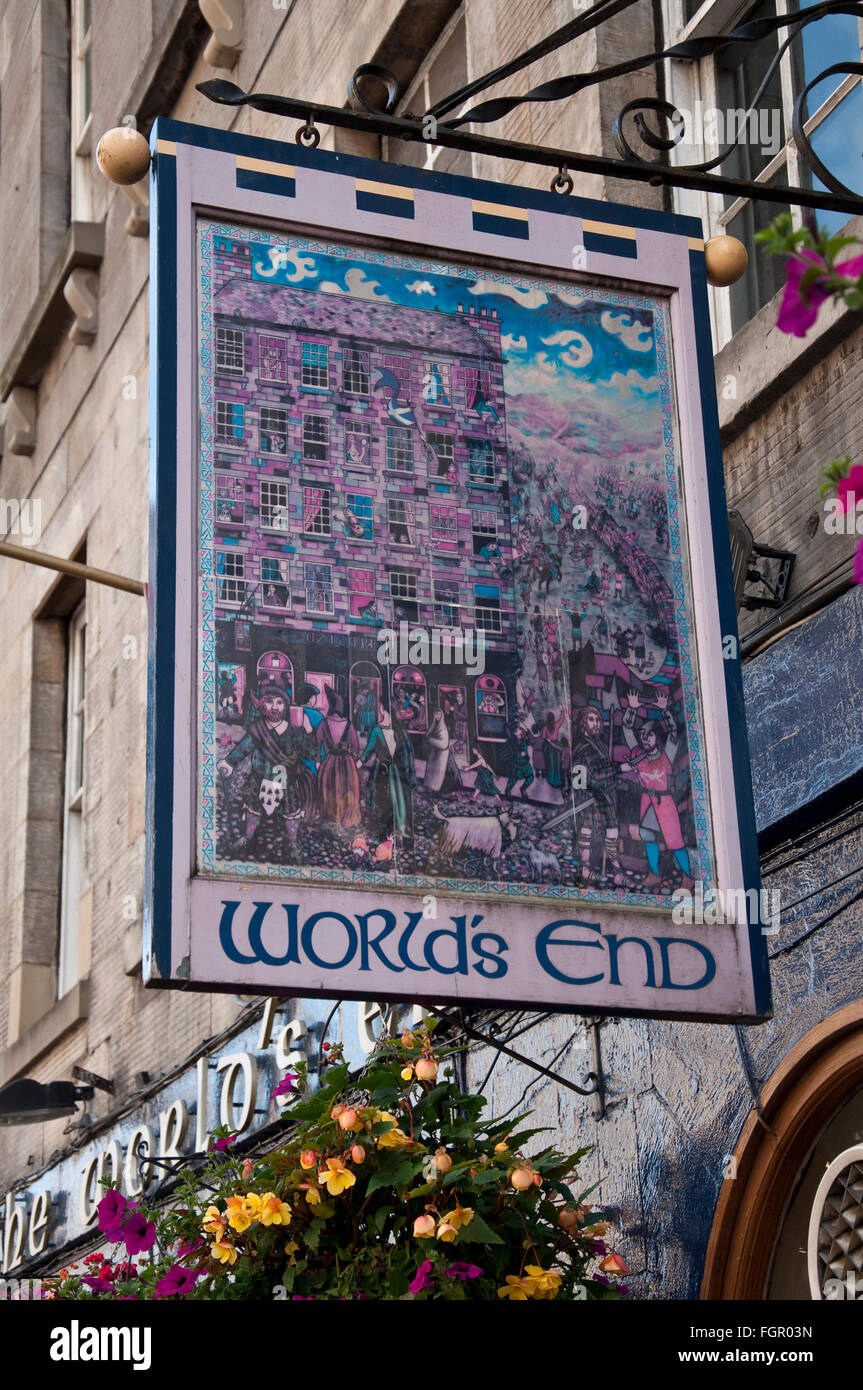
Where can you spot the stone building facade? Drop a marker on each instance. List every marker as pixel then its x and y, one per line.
pixel 710 1198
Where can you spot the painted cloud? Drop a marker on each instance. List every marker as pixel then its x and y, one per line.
pixel 634 335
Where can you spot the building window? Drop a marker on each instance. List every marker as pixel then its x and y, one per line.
pixel 230 571
pixel 316 437
pixel 400 449
pixel 274 505
pixel 437 383
pixel 72 872
pixel 230 510
pixel 491 709
pixel 358 444
pixel 361 595
pixel 447 605
pixel 272 359
pixel 483 525
pixel 315 366
pixel 319 589
pixel 403 592
pixel 359 516
pixel 81 94
pixel 274 430
pixel 480 458
pixel 443 70
pixel 477 388
pixel 230 423
pixel 724 87
pixel 317 511
pixel 275 590
pixel 229 350
pixel 487 608
pixel 444 448
pixel 444 527
pixel 401 370
pixel 401 517
pixel 356 372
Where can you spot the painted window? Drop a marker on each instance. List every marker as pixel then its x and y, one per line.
pixel 315 365
pixel 403 592
pixel 410 699
pixel 483 525
pixel 274 506
pixel 230 510
pixel 358 444
pixel 319 588
pixel 401 518
pixel 272 359
pixel 275 590
pixel 359 516
pixel 229 350
pixel 447 605
pixel 230 422
pixel 361 594
pixel 356 372
pixel 443 525
pixel 230 572
pixel 444 448
pixel 477 388
pixel 274 430
pixel 316 437
pixel 317 511
pixel 401 370
pixel 480 457
pixel 400 449
pixel 437 384
pixel 491 709
pixel 487 608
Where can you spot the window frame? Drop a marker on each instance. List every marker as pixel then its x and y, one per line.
pixel 262 431
pixel 326 504
pixel 281 483
pixel 275 607
pixel 314 367
pixel 318 612
pixel 237 576
pixel 325 444
pixel 72 872
pixel 81 109
pixel 222 330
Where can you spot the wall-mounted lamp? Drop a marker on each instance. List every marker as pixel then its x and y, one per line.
pixel 28 1102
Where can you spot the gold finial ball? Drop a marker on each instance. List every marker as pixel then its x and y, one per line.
pixel 123 155
pixel 726 259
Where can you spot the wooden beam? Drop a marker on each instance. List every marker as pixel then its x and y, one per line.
pixel 88 572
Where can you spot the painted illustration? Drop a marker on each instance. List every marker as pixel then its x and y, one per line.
pixel 445 637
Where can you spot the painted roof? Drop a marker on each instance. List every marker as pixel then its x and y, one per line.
pixel 346 316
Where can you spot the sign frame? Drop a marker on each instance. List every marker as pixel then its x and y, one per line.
pixel 201 173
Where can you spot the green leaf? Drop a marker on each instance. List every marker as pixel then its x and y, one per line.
pixel 854 299
pixel 380 1218
pixel 478 1232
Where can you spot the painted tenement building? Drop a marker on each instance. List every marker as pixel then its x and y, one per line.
pixel 359 453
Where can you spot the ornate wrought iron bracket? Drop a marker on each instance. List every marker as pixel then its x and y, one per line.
pixel 652 167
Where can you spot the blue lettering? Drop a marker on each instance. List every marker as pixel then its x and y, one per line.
pixel 490 964
pixel 414 919
pixel 291 956
pixel 367 942
pixel 664 942
pixel 614 946
pixel 459 936
pixel 226 938
pixel 308 934
pixel 544 941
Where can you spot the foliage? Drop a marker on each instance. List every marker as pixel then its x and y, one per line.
pixel 390 1186
pixel 813 272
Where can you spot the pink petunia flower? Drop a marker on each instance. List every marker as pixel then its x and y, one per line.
pixel 177 1282
pixel 463 1271
pixel 99 1283
pixel 286 1086
pixel 798 311
pixel 849 489
pixel 111 1210
pixel 422 1279
pixel 222 1145
pixel 139 1234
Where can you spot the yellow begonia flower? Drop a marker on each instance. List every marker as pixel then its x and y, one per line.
pixel 214 1221
pixel 336 1177
pixel 514 1289
pixel 291 1249
pixel 313 1196
pixel 223 1251
pixel 544 1283
pixel 273 1211
pixel 459 1216
pixel 446 1231
pixel 242 1211
pixel 394 1138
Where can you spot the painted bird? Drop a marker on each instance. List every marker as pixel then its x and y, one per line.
pixel 388 381
pixel 384 852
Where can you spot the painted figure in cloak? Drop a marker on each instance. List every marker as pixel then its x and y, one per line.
pixel 276 750
pixel 659 820
pixel 484 783
pixel 338 779
pixel 365 712
pixel 589 751
pixel 442 773
pixel 389 756
pixel 516 761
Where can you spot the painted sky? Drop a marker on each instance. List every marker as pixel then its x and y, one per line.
pixel 556 342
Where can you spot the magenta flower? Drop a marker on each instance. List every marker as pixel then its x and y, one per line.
pixel 849 489
pixel 421 1279
pixel 111 1210
pixel 798 311
pixel 286 1086
pixel 178 1281
pixel 139 1234
pixel 463 1271
pixel 184 1248
pixel 222 1145
pixel 98 1283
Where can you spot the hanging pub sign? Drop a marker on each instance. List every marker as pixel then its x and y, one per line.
pixel 445 701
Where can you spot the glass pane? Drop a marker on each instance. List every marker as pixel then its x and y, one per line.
pixel 690 9
pixel 740 69
pixel 837 144
pixel 765 275
pixel 833 39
